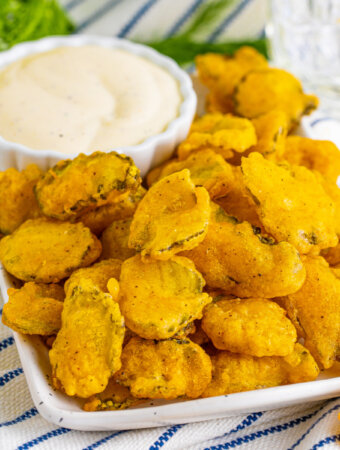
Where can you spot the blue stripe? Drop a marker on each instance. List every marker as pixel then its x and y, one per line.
pixel 42 438
pixel 184 18
pixel 6 343
pixel 325 441
pixel 258 434
pixel 228 20
pixel 72 4
pixel 136 18
pixel 314 425
pixel 163 438
pixel 103 441
pixel 0 311
pixel 98 14
pixel 26 415
pixel 10 376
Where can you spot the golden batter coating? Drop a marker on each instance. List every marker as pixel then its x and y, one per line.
pixel 207 169
pixel 233 372
pixel 46 251
pixel 165 369
pixel 262 91
pixel 160 298
pixel 115 239
pixel 173 216
pixel 323 156
pixel 34 309
pixel 73 187
pixel 291 203
pixel 253 326
pixel 315 311
pixel 99 273
pixel 238 259
pixel 17 199
pixel 223 133
pixel 87 350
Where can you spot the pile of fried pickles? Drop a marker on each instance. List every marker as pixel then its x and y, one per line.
pixel 219 274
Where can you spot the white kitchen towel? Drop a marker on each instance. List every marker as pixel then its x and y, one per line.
pixel 307 426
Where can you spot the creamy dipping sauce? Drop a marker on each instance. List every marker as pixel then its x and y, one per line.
pixel 80 99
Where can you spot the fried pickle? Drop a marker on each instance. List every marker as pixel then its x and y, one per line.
pixel 238 259
pixel 17 199
pixel 165 369
pixel 73 187
pixel 323 156
pixel 46 251
pixel 291 203
pixel 253 326
pixel 315 311
pixel 100 274
pixel 115 240
pixel 262 91
pixel 160 298
pixel 173 216
pixel 34 309
pixel 232 372
pixel 87 350
pixel 123 208
pixel 225 134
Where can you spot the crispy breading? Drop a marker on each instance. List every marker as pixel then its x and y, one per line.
pixel 173 216
pixel 262 91
pixel 34 309
pixel 73 187
pixel 236 258
pixel 87 350
pixel 115 240
pixel 165 369
pixel 315 311
pixel 323 156
pixel 46 251
pixel 100 273
pixel 122 208
pixel 291 203
pixel 233 372
pixel 223 133
pixel 253 326
pixel 160 298
pixel 207 169
pixel 17 199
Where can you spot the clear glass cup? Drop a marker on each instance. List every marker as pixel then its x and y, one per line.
pixel 304 37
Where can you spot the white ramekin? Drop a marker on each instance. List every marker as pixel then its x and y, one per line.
pixel 146 155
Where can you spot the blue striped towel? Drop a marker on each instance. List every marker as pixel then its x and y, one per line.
pixel 307 426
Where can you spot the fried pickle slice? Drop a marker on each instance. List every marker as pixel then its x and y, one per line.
pixel 122 208
pixel 262 91
pixel 165 369
pixel 72 187
pixel 315 311
pixel 17 199
pixel 173 216
pixel 114 397
pixel 234 372
pixel 115 239
pixel 238 259
pixel 34 309
pixel 87 350
pixel 291 203
pixel 323 156
pixel 253 326
pixel 46 251
pixel 100 274
pixel 207 169
pixel 223 133
pixel 160 298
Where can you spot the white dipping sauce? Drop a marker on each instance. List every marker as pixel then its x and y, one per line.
pixel 80 99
